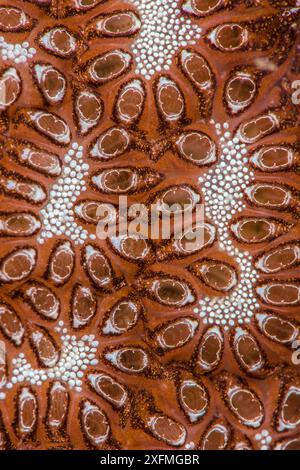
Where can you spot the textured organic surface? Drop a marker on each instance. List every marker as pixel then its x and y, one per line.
pixel 128 343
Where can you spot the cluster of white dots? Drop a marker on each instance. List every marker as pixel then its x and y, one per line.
pixel 223 188
pixel 19 53
pixel 163 31
pixel 190 445
pixel 76 355
pixel 58 215
pixel 264 439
